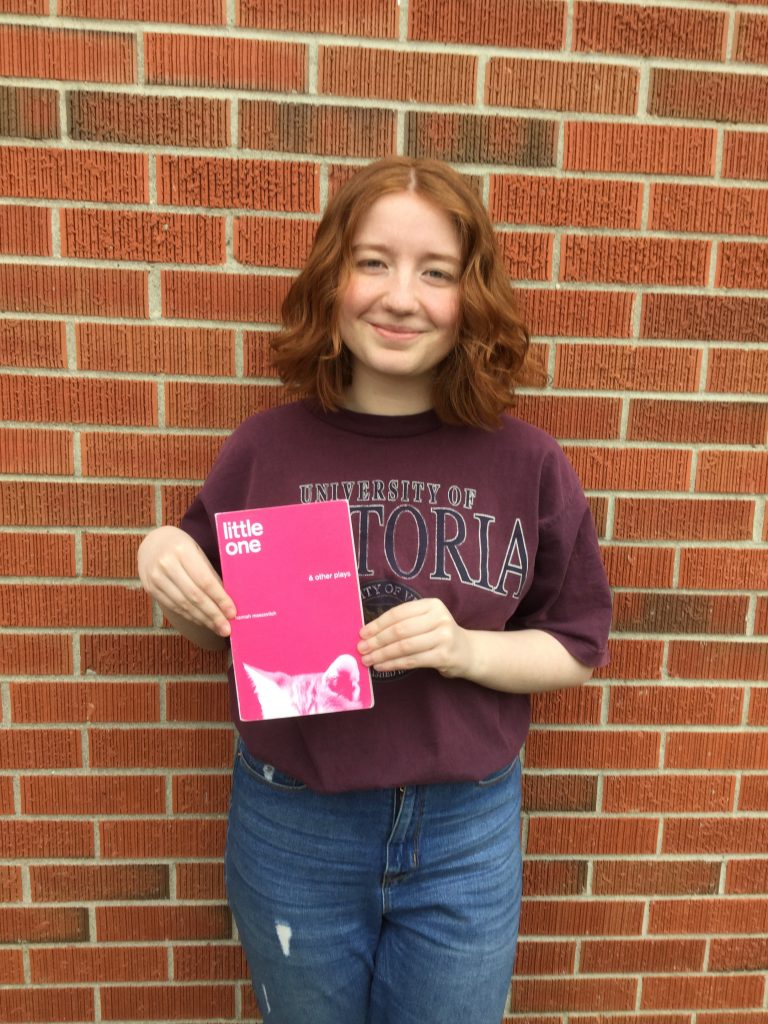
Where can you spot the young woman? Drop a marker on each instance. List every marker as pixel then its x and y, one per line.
pixel 373 857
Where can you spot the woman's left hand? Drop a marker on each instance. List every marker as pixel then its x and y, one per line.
pixel 417 634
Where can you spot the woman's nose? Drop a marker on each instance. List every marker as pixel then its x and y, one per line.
pixel 400 293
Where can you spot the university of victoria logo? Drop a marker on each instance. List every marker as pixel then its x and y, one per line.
pixel 379 596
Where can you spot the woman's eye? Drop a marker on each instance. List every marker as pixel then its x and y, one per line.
pixel 370 264
pixel 439 275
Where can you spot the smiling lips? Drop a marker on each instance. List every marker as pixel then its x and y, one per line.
pixel 395 331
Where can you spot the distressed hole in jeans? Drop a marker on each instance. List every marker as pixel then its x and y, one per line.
pixel 267 1008
pixel 284 934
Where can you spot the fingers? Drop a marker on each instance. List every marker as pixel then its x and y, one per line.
pixel 419 634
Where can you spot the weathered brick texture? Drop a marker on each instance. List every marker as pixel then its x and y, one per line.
pixel 163 168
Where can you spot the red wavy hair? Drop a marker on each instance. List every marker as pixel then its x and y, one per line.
pixel 473 385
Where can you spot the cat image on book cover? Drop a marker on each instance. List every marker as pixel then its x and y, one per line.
pixel 291 571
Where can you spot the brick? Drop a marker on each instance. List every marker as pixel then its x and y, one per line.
pixel 7 806
pixel 219 406
pixel 25 6
pixel 527 256
pixel 751 38
pixel 677 705
pixel 708 96
pixel 32 748
pixel 338 17
pixel 680 613
pixel 10 889
pixel 40 838
pixel 553 877
pixel 697 421
pixel 708 992
pixel 166 1002
pixel 730 1017
pixel 64 504
pixel 758 707
pixel 585 749
pixel 48 452
pixel 84 702
pixel 480 138
pixel 534 372
pixel 598 508
pixel 747 876
pixel 733 472
pixel 202 12
pixel 70 55
pixel 74 174
pixel 564 312
pixel 558 835
pixel 88 291
pixel 273 241
pixel 25 231
pixel 656 877
pixel 633 659
pixel 325 130
pixel 161 456
pixel 742 265
pixel 638 148
pixel 78 400
pixel 578 202
pixel 232 297
pixel 664 794
pixel 203 880
pixel 66 883
pixel 397 75
pixel 739 954
pixel 39 605
pixel 12 967
pixel 735 371
pixel 631 565
pixel 745 155
pixel 717 751
pixel 208 794
pixel 148 237
pixel 650 31
pixel 573 994
pixel 560 85
pixel 197 701
pixel 36 654
pixel 175 500
pixel 110 556
pixel 149 120
pixel 139 348
pixel 204 837
pixel 580 704
pixel 559 792
pixel 225 63
pixel 218 963
pixel 683 519
pixel 545 958
pixel 616 260
pixel 530 23
pixel 721 660
pixel 43 1006
pixel 635 469
pixel 98 964
pixel 158 923
pixel 761 617
pixel 33 343
pixel 161 748
pixel 570 417
pixel 29 113
pixel 635 956
pixel 709 209
pixel 708 917
pixel 581 917
pixel 240 184
pixel 627 367
pixel 256 354
pixel 33 554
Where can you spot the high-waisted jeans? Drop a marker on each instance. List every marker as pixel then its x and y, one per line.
pixel 385 906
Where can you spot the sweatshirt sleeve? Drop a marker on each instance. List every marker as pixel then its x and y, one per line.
pixel 569 596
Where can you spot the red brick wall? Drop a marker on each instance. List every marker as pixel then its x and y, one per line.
pixel 162 166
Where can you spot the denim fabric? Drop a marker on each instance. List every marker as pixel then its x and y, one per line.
pixel 384 906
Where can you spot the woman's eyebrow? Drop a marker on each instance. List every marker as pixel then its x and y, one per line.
pixel 445 257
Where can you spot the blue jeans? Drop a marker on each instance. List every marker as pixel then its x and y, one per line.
pixel 385 906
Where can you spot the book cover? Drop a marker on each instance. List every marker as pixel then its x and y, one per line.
pixel 292 572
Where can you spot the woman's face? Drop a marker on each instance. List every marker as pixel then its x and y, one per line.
pixel 399 308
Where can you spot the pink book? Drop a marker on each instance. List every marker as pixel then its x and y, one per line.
pixel 292 573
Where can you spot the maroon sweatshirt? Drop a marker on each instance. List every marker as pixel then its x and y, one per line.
pixel 494 523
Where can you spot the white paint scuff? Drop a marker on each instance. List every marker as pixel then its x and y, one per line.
pixel 284 935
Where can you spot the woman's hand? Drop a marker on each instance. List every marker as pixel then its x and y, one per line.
pixel 174 571
pixel 417 634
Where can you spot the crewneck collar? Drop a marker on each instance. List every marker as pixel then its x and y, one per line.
pixel 370 425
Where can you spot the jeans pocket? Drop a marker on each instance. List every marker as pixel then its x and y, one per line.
pixel 499 775
pixel 266 774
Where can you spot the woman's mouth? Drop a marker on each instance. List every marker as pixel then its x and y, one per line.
pixel 395 332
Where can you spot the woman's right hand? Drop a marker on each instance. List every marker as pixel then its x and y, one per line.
pixel 174 570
